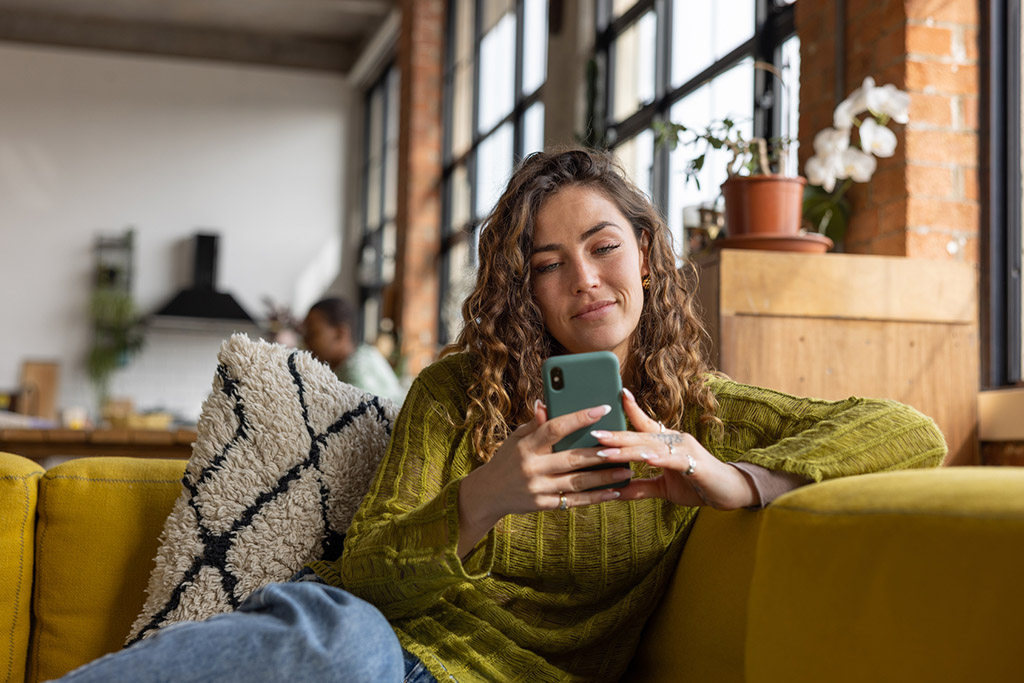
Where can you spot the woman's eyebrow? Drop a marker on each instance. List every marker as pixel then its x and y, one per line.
pixel 554 246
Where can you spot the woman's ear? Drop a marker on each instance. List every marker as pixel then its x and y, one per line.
pixel 645 248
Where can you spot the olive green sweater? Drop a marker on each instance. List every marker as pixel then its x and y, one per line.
pixel 563 595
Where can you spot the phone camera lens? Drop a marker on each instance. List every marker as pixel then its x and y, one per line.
pixel 557 382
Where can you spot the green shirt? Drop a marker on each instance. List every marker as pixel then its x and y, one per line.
pixel 563 595
pixel 367 369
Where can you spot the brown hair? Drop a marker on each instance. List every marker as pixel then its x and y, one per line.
pixel 503 331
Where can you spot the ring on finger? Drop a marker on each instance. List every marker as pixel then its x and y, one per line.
pixel 693 465
pixel 563 502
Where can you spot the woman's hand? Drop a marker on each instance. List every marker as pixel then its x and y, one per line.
pixel 690 474
pixel 526 475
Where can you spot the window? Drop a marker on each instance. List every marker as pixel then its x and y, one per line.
pixel 496 64
pixel 1002 294
pixel 691 62
pixel 380 202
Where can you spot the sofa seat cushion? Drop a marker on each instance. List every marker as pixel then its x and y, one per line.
pixel 18 487
pixel 99 522
pixel 923 566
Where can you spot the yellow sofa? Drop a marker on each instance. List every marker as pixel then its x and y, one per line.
pixel 907 576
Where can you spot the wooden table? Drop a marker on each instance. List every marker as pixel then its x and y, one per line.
pixel 37 444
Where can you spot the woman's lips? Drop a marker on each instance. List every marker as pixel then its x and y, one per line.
pixel 595 311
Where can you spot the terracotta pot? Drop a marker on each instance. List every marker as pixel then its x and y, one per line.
pixel 763 204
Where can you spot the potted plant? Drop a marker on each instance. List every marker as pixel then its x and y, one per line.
pixel 765 205
pixel 761 198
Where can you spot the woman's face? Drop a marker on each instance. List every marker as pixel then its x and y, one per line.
pixel 586 268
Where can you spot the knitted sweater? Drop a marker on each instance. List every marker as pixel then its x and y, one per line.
pixel 563 595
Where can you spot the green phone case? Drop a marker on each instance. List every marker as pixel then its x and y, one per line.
pixel 587 380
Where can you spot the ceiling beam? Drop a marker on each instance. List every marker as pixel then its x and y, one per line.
pixel 302 52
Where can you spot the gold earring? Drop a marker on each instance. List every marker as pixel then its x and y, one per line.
pixel 646 282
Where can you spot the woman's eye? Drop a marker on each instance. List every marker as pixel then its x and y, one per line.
pixel 608 248
pixel 546 268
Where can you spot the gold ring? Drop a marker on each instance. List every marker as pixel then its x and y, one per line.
pixel 693 465
pixel 563 502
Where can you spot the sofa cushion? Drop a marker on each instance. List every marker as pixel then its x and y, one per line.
pixel 283 456
pixel 923 566
pixel 99 520
pixel 18 481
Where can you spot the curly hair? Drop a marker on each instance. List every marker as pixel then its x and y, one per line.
pixel 503 331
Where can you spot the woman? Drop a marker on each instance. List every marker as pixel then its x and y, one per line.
pixel 489 555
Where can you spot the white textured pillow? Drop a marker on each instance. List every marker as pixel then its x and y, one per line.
pixel 283 456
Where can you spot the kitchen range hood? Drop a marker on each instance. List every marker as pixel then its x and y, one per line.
pixel 202 304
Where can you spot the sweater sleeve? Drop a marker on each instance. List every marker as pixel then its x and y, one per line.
pixel 822 439
pixel 401 548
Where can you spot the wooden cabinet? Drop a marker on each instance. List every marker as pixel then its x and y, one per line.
pixel 838 325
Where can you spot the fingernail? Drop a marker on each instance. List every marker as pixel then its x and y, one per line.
pixel 605 452
pixel 600 434
pixel 648 456
pixel 629 394
pixel 536 405
pixel 611 495
pixel 599 411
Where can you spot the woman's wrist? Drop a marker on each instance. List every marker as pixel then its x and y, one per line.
pixel 475 521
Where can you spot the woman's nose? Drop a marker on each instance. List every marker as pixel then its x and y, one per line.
pixel 585 276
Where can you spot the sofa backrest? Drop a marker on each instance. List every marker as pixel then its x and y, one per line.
pixel 698 632
pixel 96 536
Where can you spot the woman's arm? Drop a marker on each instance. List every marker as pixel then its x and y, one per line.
pixel 823 439
pixel 807 438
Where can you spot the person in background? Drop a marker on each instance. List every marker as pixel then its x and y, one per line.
pixel 328 332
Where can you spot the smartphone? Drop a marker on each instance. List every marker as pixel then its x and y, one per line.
pixel 584 380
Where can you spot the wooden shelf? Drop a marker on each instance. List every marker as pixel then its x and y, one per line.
pixel 838 325
pixel 37 444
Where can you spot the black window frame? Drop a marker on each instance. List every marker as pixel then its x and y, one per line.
pixel 1000 171
pixel 775 23
pixel 452 235
pixel 373 235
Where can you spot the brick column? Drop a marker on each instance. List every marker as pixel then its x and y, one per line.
pixel 417 275
pixel 923 202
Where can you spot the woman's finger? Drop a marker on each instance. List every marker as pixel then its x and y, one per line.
pixel 557 428
pixel 637 417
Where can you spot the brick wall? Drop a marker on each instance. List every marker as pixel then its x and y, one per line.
pixel 923 202
pixel 417 285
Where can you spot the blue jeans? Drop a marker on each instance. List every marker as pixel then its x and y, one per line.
pixel 301 631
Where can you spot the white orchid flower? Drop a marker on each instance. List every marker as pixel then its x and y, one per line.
pixel 890 101
pixel 824 170
pixel 858 165
pixel 876 139
pixel 856 103
pixel 831 141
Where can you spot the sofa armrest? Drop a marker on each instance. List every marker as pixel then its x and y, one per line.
pixel 900 576
pixel 99 522
pixel 19 479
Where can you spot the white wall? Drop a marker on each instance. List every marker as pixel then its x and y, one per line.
pixel 91 143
